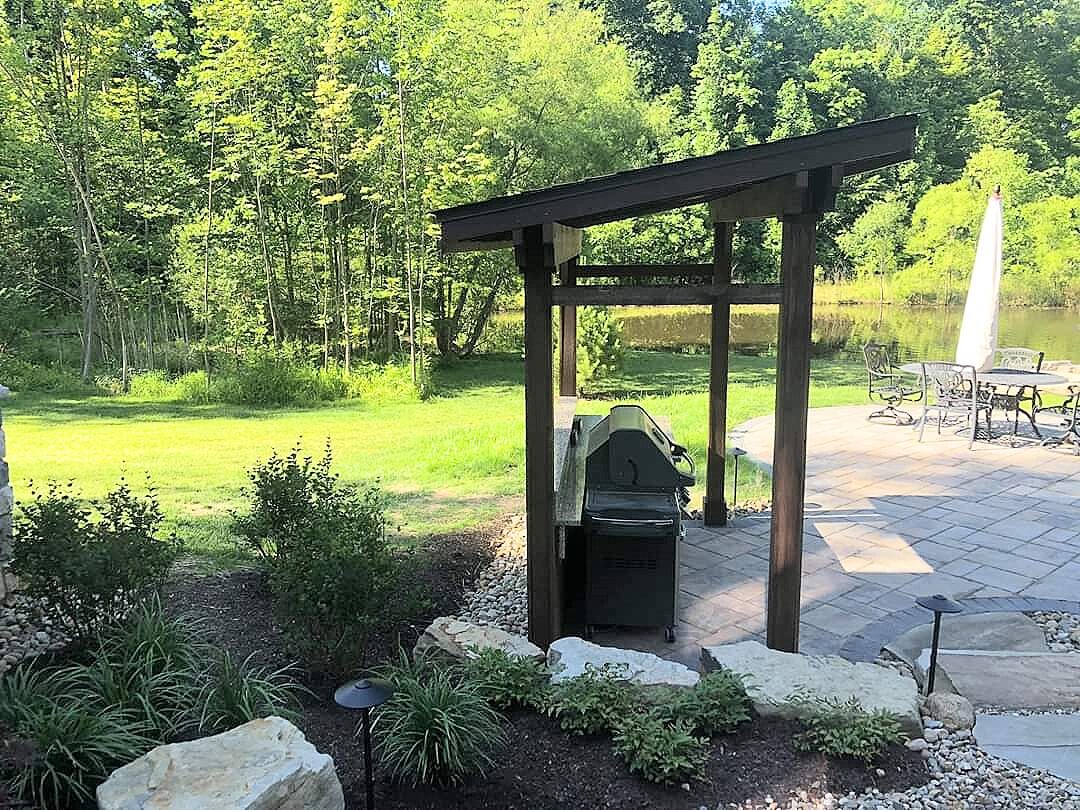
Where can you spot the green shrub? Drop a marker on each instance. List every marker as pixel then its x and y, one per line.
pixel 437 728
pixel 593 702
pixel 92 572
pixel 508 681
pixel 716 704
pixel 236 692
pixel 152 385
pixel 845 729
pixel 21 376
pixel 660 750
pixel 599 344
pixel 332 570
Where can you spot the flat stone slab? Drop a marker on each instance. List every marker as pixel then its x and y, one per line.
pixel 1050 742
pixel 460 639
pixel 980 631
pixel 569 657
pixel 1011 680
pixel 773 677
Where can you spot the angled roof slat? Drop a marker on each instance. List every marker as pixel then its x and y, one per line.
pixel 858 148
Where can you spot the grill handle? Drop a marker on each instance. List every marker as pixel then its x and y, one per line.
pixel 632 523
pixel 677 452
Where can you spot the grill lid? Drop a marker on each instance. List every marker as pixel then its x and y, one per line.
pixel 628 450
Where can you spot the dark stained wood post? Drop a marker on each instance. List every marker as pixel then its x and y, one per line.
pixel 715 502
pixel 541 565
pixel 568 334
pixel 789 444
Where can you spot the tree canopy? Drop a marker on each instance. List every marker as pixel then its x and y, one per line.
pixel 186 179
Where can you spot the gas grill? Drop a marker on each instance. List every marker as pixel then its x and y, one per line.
pixel 635 499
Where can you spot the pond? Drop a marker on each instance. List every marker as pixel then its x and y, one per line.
pixel 916 333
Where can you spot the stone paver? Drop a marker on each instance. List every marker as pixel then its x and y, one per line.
pixel 1050 742
pixel 887 518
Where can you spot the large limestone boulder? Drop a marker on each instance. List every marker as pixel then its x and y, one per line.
pixel 262 765
pixel 455 638
pixel 773 677
pixel 568 657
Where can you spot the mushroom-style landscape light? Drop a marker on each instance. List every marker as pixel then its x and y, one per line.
pixel 365 695
pixel 736 452
pixel 938 603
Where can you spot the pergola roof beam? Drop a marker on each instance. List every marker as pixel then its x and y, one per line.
pixel 853 149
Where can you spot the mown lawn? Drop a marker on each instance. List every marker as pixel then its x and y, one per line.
pixel 450 462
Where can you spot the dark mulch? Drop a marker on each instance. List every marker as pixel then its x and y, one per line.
pixel 542 768
pixel 546 769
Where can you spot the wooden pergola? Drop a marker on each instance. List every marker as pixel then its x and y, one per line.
pixel 795 180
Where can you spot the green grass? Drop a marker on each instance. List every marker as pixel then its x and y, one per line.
pixel 450 462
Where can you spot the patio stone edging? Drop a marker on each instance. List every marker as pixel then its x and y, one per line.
pixel 868 642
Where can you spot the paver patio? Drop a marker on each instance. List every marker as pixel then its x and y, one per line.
pixel 887 519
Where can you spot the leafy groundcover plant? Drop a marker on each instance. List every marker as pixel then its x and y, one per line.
pixel 508 681
pixel 716 704
pixel 151 680
pixel 595 701
pixel 438 728
pixel 845 729
pixel 661 750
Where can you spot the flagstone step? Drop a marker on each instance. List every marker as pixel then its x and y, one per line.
pixel 1011 680
pixel 980 631
pixel 1050 742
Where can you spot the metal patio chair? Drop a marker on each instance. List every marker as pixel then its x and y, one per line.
pixel 954 388
pixel 1011 397
pixel 1070 410
pixel 885 383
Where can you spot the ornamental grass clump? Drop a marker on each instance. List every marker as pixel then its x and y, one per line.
pixel 508 681
pixel 151 680
pixel 595 701
pixel 235 692
pixel 437 729
pixel 661 750
pixel 845 729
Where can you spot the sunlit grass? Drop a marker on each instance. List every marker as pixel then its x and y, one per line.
pixel 451 462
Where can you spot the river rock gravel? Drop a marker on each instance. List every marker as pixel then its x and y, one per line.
pixel 499 598
pixel 25 631
pixel 1062 630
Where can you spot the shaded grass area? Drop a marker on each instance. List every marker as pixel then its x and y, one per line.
pixel 450 462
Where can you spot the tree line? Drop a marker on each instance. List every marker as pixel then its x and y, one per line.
pixel 186 180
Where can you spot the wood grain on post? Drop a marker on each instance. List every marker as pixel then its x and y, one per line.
pixel 789 444
pixel 568 334
pixel 541 564
pixel 715 502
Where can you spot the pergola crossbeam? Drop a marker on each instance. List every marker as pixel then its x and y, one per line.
pixel 614 295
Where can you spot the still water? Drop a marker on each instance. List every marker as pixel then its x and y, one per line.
pixel 915 333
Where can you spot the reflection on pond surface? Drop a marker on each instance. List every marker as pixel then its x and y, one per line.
pixel 916 332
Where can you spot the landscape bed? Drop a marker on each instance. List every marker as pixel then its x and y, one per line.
pixel 542 766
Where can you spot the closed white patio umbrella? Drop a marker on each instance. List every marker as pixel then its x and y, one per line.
pixel 979 329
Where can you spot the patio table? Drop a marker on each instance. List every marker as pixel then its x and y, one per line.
pixel 1010 377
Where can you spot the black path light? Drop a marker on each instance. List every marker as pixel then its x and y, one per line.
pixel 939 603
pixel 365 695
pixel 736 452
